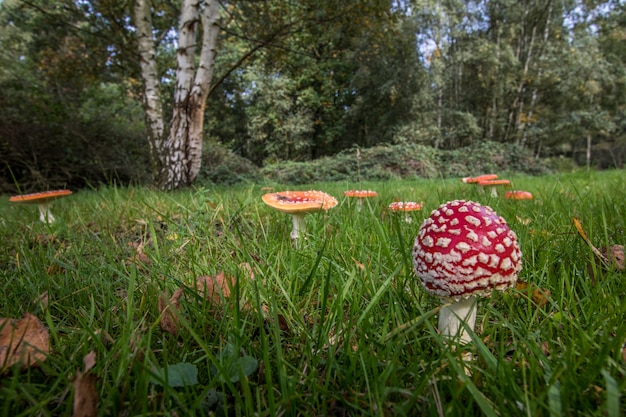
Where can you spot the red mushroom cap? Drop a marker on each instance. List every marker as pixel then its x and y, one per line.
pixel 360 193
pixel 518 195
pixel 38 198
pixel 473 180
pixel 465 249
pixel 294 202
pixel 488 183
pixel 405 206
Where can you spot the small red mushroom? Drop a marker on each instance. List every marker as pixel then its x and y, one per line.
pixel 474 180
pixel 43 201
pixel 464 250
pixel 406 207
pixel 360 195
pixel 518 195
pixel 298 204
pixel 493 185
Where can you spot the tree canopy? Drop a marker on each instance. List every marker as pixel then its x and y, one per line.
pixel 297 81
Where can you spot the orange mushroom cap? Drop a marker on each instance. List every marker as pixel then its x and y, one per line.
pixel 360 193
pixel 405 206
pixel 294 202
pixel 518 195
pixel 487 183
pixel 39 198
pixel 474 180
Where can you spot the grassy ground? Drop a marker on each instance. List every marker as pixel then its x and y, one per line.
pixel 337 326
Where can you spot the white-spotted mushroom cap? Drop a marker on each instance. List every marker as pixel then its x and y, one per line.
pixel 465 249
pixel 405 206
pixel 295 202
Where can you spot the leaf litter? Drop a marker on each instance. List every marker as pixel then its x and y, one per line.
pixel 24 341
pixel 85 394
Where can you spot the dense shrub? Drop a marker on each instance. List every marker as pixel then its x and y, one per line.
pixel 376 163
pixel 483 157
pixel 47 143
pixel 221 166
pixel 407 161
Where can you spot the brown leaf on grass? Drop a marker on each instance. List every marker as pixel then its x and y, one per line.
pixel 140 260
pixel 248 269
pixel 214 288
pixel 540 296
pixel 25 341
pixel 85 394
pixel 359 265
pixel 169 309
pixel 89 360
pixel 615 255
pixel 42 300
pixel 579 227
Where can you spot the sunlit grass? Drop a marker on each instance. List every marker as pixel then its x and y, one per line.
pixel 338 325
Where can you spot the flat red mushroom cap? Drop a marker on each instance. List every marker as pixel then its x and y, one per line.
pixel 465 249
pixel 360 193
pixel 474 180
pixel 38 198
pixel 294 202
pixel 405 206
pixel 489 183
pixel 518 195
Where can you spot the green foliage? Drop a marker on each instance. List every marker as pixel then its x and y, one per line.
pixel 177 375
pixel 221 166
pixel 406 161
pixel 50 143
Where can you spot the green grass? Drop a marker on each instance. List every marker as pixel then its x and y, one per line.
pixel 348 329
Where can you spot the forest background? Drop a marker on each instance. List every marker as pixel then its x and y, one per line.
pixel 316 90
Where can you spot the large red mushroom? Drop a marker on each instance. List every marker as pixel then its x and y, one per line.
pixel 464 250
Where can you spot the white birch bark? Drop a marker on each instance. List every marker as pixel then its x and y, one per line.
pixel 152 90
pixel 184 142
pixel 177 152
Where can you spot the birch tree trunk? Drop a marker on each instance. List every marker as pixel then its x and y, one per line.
pixel 152 104
pixel 178 149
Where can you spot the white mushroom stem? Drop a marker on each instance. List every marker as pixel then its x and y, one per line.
pixel 298 225
pixel 452 316
pixel 45 215
pixel 494 191
pixel 359 204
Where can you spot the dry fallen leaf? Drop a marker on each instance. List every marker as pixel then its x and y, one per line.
pixel 169 311
pixel 43 300
pixel 540 296
pixel 85 394
pixel 25 341
pixel 579 227
pixel 210 288
pixel 615 254
pixel 214 288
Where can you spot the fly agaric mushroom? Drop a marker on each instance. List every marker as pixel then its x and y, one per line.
pixel 360 195
pixel 406 207
pixel 493 185
pixel 518 195
pixel 43 201
pixel 464 250
pixel 475 180
pixel 298 204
